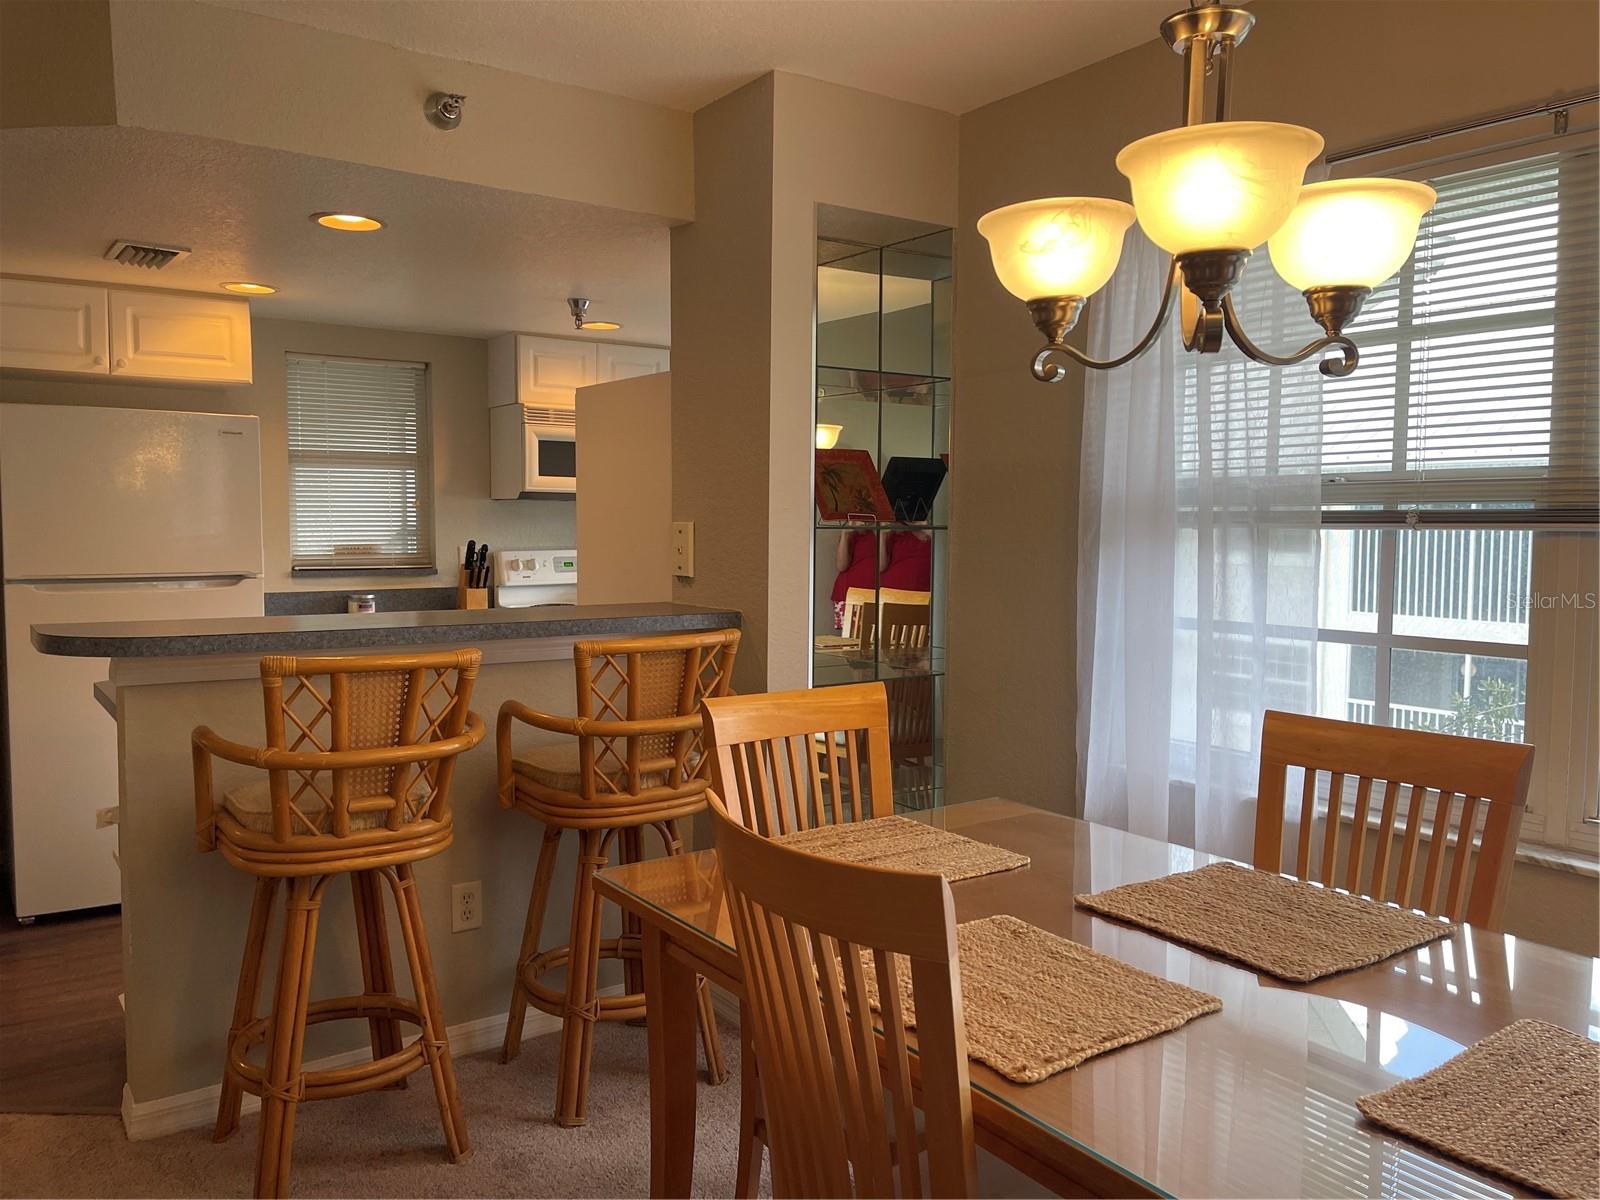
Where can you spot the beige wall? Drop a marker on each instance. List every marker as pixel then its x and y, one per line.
pixel 185 67
pixel 1404 67
pixel 458 406
pixel 625 491
pixel 743 284
pixel 55 64
pixel 721 356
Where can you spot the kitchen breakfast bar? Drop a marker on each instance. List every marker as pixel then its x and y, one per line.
pixel 184 913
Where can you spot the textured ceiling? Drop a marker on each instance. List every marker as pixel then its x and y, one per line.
pixel 454 258
pixel 954 55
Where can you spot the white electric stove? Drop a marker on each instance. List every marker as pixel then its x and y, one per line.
pixel 527 578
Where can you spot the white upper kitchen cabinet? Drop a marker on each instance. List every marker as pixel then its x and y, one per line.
pixel 630 362
pixel 545 372
pixel 53 326
pixel 82 329
pixel 166 335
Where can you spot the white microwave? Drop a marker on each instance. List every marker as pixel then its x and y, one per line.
pixel 533 451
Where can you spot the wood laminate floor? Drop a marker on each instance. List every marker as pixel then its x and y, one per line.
pixel 61 1029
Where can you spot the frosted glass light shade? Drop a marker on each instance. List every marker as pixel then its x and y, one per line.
pixel 1223 186
pixel 1062 246
pixel 1349 232
pixel 828 435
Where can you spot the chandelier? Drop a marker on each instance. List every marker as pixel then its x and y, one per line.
pixel 1210 193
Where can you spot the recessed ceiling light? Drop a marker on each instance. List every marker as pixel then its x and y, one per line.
pixel 249 289
pixel 348 222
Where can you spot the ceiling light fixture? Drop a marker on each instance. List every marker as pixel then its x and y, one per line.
pixel 828 435
pixel 1210 193
pixel 579 308
pixel 249 289
pixel 347 222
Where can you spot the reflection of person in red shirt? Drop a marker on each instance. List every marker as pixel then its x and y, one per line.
pixel 904 560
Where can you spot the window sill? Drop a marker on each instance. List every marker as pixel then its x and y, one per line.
pixel 1557 858
pixel 357 572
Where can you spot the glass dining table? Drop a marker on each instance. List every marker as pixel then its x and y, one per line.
pixel 1255 1100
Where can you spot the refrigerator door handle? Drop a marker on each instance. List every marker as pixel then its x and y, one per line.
pixel 130 583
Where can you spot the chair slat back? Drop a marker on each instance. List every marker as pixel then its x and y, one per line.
pixel 648 679
pixel 818 941
pixel 786 761
pixel 378 703
pixel 1463 801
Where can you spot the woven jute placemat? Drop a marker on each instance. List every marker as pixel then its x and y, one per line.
pixel 1523 1103
pixel 1037 1004
pixel 1286 927
pixel 905 845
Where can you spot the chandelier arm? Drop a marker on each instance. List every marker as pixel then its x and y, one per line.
pixel 1333 368
pixel 1055 372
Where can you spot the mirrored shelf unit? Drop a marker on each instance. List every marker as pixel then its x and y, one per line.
pixel 881 429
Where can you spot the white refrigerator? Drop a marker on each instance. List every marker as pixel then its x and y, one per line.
pixel 106 514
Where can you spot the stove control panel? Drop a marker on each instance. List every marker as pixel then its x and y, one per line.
pixel 535 568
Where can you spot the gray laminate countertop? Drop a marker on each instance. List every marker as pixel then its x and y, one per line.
pixel 358 631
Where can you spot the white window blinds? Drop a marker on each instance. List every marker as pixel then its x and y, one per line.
pixel 360 492
pixel 1475 401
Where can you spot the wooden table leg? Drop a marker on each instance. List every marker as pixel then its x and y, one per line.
pixel 672 1008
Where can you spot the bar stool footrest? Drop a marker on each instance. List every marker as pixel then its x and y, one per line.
pixel 339 1081
pixel 627 1007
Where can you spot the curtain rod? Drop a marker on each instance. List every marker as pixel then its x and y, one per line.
pixel 1554 106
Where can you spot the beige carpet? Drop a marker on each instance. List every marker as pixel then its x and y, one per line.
pixel 389 1144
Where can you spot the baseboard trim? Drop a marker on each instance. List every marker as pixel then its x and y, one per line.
pixel 146 1119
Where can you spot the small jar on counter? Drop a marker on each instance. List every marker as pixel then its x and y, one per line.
pixel 361 602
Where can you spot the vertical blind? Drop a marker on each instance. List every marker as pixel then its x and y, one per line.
pixel 359 483
pixel 1475 401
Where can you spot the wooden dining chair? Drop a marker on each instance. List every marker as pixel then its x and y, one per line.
pixel 785 761
pixel 1479 789
pixel 811 933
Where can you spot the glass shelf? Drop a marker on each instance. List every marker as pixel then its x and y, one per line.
pixel 870 526
pixel 891 387
pixel 830 668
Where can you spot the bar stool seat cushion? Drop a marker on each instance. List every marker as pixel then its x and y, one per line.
pixel 251 805
pixel 557 766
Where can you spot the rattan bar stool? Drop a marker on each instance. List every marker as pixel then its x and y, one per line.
pixel 634 761
pixel 357 783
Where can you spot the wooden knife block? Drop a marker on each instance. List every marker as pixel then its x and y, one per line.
pixel 470 597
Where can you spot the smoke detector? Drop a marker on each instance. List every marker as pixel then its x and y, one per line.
pixel 149 255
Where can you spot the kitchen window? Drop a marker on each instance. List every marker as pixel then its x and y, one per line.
pixel 360 479
pixel 1458 557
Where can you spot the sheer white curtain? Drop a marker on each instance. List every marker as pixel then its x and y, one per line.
pixel 1197 561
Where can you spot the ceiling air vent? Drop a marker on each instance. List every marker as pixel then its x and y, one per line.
pixel 145 254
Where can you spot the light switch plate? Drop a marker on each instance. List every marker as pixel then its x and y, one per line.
pixel 683 549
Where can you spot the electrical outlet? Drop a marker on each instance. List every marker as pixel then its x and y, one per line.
pixel 466 906
pixel 683 549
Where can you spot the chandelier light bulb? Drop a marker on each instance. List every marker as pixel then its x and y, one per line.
pixel 1349 232
pixel 1062 246
pixel 1224 185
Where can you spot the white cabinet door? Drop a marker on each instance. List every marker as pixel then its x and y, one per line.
pixel 156 335
pixel 629 362
pixel 549 370
pixel 53 326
